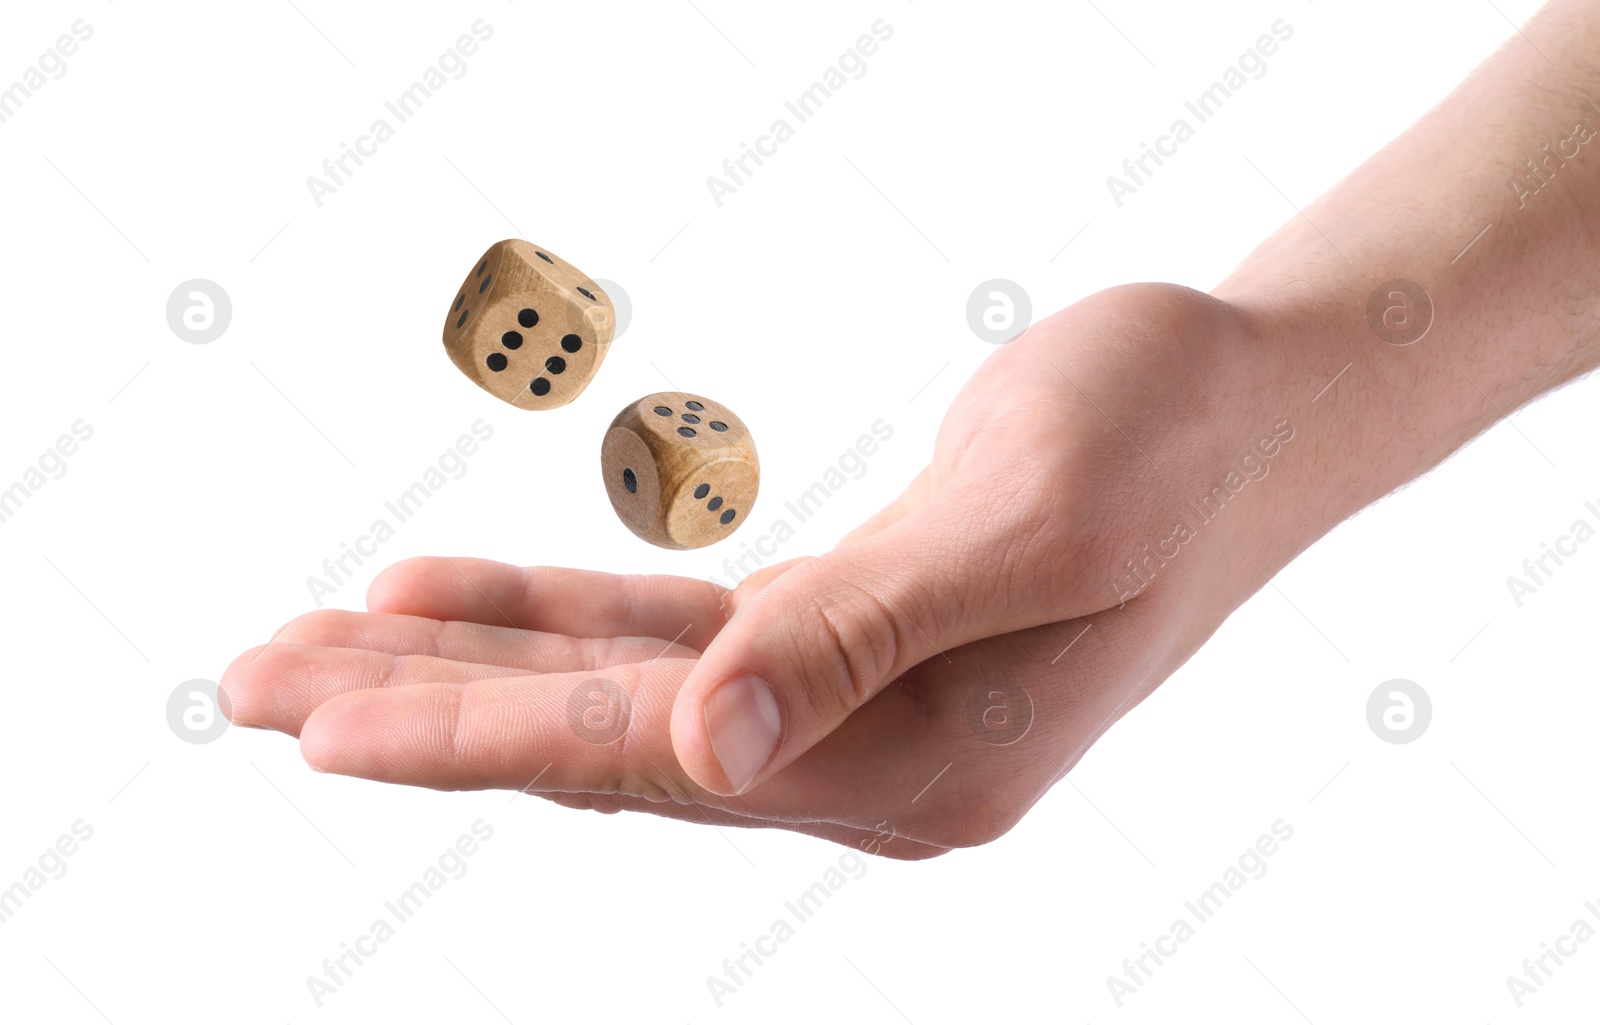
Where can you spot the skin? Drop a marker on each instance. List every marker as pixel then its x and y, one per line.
pixel 946 616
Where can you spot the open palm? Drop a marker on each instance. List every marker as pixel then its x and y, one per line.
pixel 935 674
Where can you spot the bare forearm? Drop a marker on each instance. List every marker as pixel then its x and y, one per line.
pixel 1491 204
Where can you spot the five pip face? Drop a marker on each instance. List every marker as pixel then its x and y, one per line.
pixel 528 327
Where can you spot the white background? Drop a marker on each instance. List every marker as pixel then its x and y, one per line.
pixel 827 293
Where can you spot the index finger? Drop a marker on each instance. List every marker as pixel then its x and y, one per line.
pixel 551 599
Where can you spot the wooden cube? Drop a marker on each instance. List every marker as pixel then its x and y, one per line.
pixel 528 327
pixel 680 469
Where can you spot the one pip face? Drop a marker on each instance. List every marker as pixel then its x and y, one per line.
pixel 527 327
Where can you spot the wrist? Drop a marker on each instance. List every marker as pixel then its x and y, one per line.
pixel 1302 447
pixel 1427 296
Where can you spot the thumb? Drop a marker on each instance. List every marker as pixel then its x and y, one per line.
pixel 815 643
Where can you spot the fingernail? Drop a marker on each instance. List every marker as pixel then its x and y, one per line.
pixel 744 725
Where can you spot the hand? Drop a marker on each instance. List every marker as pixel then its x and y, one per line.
pixel 929 679
pixel 1103 493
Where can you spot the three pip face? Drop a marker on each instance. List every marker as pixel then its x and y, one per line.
pixel 528 327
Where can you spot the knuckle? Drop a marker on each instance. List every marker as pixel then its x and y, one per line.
pixel 318 627
pixel 468 732
pixel 601 803
pixel 240 682
pixel 460 718
pixel 243 664
pixel 861 634
pixel 630 765
pixel 974 820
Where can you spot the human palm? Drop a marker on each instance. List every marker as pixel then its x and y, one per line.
pixel 932 676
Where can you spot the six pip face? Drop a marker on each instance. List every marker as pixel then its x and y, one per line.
pixel 527 327
pixel 681 470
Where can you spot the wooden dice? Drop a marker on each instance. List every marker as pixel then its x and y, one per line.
pixel 680 470
pixel 528 327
